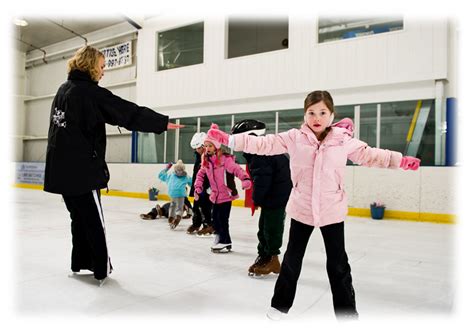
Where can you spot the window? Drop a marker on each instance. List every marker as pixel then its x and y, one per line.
pixel 395 121
pixel 396 118
pixel 346 111
pixel 337 28
pixel 181 47
pixel 170 155
pixel 257 35
pixel 289 119
pixel 368 124
pixel 426 151
pixel 223 121
pixel 266 117
pixel 150 147
pixel 185 152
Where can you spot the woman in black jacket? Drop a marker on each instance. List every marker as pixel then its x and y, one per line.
pixel 75 157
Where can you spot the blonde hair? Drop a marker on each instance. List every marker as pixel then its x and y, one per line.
pixel 86 59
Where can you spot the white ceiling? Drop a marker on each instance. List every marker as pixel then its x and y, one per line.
pixel 44 31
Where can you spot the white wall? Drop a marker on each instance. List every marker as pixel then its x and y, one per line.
pixel 400 65
pixel 43 80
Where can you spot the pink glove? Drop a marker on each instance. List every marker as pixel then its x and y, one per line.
pixel 169 165
pixel 410 163
pixel 196 196
pixel 246 184
pixel 216 134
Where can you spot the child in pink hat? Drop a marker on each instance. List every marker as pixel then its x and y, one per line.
pixel 220 168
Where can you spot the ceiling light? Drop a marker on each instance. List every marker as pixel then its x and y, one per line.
pixel 20 22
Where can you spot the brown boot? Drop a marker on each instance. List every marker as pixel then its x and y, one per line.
pixel 206 231
pixel 175 222
pixel 272 266
pixel 170 221
pixel 260 260
pixel 192 229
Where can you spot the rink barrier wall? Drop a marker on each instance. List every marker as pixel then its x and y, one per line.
pixel 354 212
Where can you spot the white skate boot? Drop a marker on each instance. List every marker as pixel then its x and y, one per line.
pixel 221 247
pixel 274 314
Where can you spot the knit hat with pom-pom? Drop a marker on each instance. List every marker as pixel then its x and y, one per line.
pixel 179 168
pixel 215 142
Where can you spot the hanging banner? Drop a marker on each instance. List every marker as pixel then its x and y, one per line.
pixel 118 55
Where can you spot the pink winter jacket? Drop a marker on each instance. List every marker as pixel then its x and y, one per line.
pixel 318 197
pixel 220 192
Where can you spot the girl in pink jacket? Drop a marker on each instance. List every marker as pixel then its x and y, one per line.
pixel 220 169
pixel 318 154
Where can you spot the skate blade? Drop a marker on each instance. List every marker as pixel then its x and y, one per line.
pixel 79 275
pixel 259 275
pixel 263 275
pixel 221 251
pixel 102 282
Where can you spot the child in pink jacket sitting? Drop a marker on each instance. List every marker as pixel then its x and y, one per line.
pixel 318 154
pixel 220 169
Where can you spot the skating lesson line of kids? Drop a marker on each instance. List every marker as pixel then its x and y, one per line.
pixel 298 173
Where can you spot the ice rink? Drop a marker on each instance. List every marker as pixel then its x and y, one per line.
pixel 399 268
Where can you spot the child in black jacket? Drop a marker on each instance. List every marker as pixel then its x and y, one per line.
pixel 271 190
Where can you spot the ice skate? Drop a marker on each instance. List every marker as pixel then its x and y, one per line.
pixel 274 314
pixel 272 265
pixel 192 229
pixel 188 215
pixel 150 215
pixel 221 248
pixel 102 281
pixel 175 222
pixel 146 217
pixel 260 260
pixel 206 232
pixel 75 274
pixel 170 221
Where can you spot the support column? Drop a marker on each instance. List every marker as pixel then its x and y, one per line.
pixel 440 123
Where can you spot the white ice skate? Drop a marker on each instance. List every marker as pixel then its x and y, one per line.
pixel 221 247
pixel 78 274
pixel 274 314
pixel 102 281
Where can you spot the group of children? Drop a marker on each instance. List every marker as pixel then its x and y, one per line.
pixel 272 185
pixel 299 172
pixel 212 186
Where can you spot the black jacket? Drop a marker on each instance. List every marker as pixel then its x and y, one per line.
pixel 197 166
pixel 271 180
pixel 75 157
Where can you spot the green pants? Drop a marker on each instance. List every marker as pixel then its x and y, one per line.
pixel 270 231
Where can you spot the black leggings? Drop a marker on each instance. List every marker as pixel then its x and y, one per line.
pixel 337 266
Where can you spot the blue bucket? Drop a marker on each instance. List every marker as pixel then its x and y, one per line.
pixel 153 194
pixel 377 212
